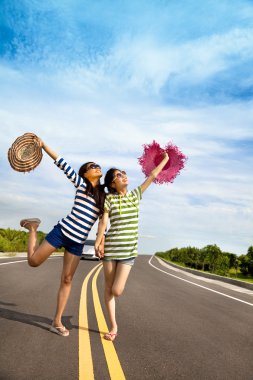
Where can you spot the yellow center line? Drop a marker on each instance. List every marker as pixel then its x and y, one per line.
pixel 86 371
pixel 113 363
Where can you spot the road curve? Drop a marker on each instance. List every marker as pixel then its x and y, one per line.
pixel 171 325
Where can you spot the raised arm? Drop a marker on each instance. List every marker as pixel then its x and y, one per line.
pixel 100 235
pixel 63 165
pixel 155 173
pixel 48 150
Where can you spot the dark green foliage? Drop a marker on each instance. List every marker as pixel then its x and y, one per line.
pixel 250 260
pixel 16 241
pixel 233 260
pixel 244 264
pixel 212 253
pixel 250 253
pixel 211 258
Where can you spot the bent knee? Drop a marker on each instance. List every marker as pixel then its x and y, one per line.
pixel 67 279
pixel 33 262
pixel 117 291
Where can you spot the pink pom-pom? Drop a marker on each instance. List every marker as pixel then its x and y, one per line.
pixel 153 155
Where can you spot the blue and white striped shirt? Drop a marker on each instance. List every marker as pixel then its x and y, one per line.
pixel 84 213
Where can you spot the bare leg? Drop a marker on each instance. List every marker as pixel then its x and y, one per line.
pixel 109 274
pixel 37 254
pixel 70 263
pixel 116 275
pixel 120 279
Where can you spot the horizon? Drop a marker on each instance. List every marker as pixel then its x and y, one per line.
pixel 96 81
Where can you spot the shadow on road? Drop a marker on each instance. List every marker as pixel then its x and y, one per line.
pixel 30 319
pixel 36 320
pixel 91 330
pixel 7 303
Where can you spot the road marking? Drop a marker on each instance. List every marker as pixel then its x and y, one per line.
pixel 200 286
pixel 86 371
pixel 113 363
pixel 14 262
pixel 25 260
pixel 215 281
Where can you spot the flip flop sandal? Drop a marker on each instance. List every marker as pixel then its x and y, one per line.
pixel 110 336
pixel 24 222
pixel 61 330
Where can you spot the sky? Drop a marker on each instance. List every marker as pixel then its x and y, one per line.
pixel 98 79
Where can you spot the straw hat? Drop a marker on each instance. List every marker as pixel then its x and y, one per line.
pixel 25 153
pixel 153 155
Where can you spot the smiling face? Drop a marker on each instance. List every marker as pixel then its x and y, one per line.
pixel 120 180
pixel 92 171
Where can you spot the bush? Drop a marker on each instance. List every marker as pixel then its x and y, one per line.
pixel 16 241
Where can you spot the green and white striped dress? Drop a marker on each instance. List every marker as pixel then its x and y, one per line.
pixel 121 241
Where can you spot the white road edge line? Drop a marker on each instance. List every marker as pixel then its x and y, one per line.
pixel 14 262
pixel 200 286
pixel 23 261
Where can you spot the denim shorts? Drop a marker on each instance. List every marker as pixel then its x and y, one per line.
pixel 58 240
pixel 129 261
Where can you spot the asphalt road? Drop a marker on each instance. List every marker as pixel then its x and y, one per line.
pixel 172 325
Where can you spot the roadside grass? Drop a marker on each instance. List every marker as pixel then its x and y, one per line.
pixel 232 273
pixel 239 276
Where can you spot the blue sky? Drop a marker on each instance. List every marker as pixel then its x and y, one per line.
pixel 97 79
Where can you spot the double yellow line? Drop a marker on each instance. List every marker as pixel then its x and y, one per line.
pixel 86 371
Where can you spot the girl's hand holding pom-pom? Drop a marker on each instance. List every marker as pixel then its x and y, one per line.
pixel 153 154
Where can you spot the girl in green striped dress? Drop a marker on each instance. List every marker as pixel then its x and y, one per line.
pixel 120 249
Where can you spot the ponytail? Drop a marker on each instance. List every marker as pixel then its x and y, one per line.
pixel 109 177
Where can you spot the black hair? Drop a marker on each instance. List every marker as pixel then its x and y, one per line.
pixel 109 177
pixel 98 192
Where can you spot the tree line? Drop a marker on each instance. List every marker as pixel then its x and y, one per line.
pixel 212 259
pixel 209 258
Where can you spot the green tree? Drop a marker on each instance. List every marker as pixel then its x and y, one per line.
pixel 222 265
pixel 232 259
pixel 173 254
pixel 203 259
pixel 250 260
pixel 250 252
pixel 212 254
pixel 237 265
pixel 244 264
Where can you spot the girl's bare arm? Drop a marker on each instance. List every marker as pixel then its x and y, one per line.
pixel 48 150
pixel 101 230
pixel 155 173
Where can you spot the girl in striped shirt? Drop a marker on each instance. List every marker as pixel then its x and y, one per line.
pixel 71 231
pixel 120 248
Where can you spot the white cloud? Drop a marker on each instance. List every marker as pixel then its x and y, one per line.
pixel 145 63
pixel 207 203
pixel 105 106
